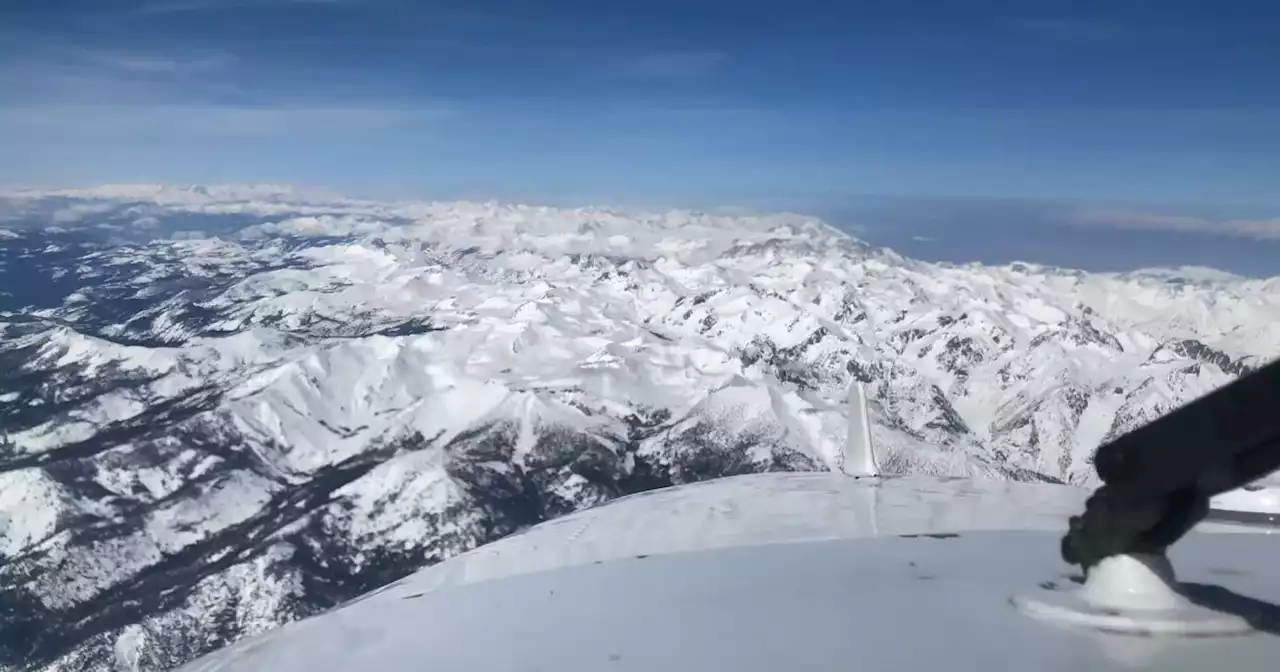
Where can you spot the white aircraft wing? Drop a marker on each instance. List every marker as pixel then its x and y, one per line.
pixel 1257 503
pixel 783 572
pixel 768 572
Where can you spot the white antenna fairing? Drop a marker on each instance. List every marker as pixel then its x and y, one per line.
pixel 860 454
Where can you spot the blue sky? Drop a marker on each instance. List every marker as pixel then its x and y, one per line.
pixel 1160 118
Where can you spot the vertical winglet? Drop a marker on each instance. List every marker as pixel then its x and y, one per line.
pixel 859 455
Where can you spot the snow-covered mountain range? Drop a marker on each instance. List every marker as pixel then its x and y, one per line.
pixel 225 408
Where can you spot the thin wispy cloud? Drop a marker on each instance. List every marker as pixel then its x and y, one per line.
pixel 1120 218
pixel 349 118
pixel 1075 30
pixel 188 6
pixel 692 110
pixel 74 75
pixel 137 95
pixel 212 121
pixel 144 63
pixel 667 65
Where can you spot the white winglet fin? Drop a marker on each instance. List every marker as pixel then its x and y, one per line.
pixel 859 455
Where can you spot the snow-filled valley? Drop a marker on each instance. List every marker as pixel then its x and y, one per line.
pixel 225 408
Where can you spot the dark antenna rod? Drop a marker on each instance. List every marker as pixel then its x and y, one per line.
pixel 1157 479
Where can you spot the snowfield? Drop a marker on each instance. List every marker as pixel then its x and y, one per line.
pixel 277 400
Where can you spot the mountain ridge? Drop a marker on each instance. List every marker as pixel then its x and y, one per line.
pixel 233 429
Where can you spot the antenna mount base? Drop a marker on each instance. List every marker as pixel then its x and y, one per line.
pixel 1131 594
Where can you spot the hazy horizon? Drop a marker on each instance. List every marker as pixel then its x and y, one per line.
pixel 1085 133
